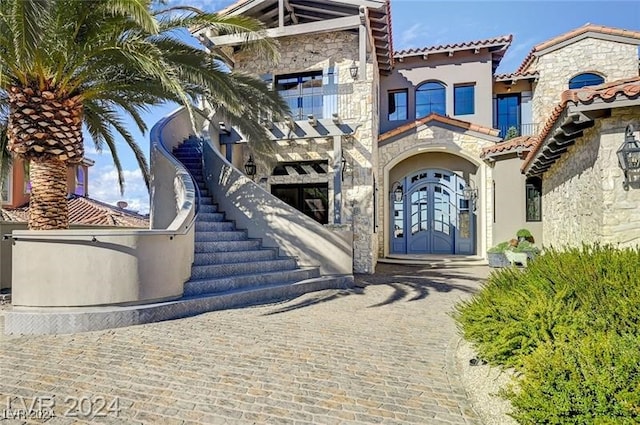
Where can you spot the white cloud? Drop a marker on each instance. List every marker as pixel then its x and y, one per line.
pixel 103 186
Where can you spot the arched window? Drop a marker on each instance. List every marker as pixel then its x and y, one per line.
pixel 430 97
pixel 586 79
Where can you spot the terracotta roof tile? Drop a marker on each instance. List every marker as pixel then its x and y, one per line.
pixel 528 60
pixel 87 211
pixel 608 92
pixel 509 145
pixel 465 125
pixel 516 76
pixel 488 42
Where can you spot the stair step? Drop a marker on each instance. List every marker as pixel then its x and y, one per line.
pixel 227 246
pixel 214 226
pixel 204 258
pixel 209 213
pixel 206 200
pixel 231 235
pixel 204 215
pixel 212 286
pixel 233 269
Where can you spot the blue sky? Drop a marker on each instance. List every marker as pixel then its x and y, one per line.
pixel 416 23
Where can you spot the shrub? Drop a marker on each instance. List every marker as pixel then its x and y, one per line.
pixel 569 323
pixel 525 234
pixel 595 380
pixel 511 133
pixel 526 246
pixel 501 247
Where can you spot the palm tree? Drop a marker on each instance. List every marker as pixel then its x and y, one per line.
pixel 69 63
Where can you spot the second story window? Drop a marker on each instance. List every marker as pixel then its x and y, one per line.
pixel 398 105
pixel 464 99
pixel 586 79
pixel 507 114
pixel 431 98
pixel 302 92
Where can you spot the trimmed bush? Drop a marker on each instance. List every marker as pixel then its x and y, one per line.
pixel 595 380
pixel 570 323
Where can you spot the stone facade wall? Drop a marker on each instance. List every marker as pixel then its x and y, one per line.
pixel 357 106
pixel 440 139
pixel 583 199
pixel 611 60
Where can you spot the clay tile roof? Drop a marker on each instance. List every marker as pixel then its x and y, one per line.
pixel 608 92
pixel 88 211
pixel 489 42
pixel 521 141
pixel 516 76
pixel 465 125
pixel 574 33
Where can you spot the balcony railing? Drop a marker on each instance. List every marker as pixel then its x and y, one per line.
pixel 325 102
pixel 509 132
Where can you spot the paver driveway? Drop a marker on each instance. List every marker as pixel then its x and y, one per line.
pixel 382 353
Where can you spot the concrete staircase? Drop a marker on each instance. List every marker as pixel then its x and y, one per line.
pixel 230 265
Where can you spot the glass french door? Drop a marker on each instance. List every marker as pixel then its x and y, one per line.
pixel 432 217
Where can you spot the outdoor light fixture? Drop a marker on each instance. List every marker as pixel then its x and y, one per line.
pixel 343 162
pixel 470 193
pixel 250 167
pixel 396 192
pixel 629 158
pixel 353 70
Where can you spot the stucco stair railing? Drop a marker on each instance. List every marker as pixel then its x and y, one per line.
pixel 188 263
pixel 229 263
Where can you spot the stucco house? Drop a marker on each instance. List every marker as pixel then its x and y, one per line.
pixel 385 154
pixel 428 150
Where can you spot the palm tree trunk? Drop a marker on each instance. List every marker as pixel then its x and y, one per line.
pixel 48 208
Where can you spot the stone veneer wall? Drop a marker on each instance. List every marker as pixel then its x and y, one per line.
pixel 612 60
pixel 356 106
pixel 440 139
pixel 582 195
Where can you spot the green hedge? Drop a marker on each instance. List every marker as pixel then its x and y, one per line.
pixel 570 323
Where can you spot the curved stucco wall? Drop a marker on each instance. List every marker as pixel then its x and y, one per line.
pixel 72 268
pixel 275 222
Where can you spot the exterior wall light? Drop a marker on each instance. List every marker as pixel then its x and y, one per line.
pixel 353 70
pixel 629 158
pixel 470 193
pixel 250 167
pixel 397 192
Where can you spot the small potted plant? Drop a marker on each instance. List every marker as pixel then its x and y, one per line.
pixel 496 257
pixel 524 235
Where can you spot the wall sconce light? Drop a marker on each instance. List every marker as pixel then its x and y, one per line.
pixel 629 158
pixel 397 192
pixel 250 167
pixel 353 70
pixel 470 193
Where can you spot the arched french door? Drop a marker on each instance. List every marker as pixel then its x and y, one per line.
pixel 432 216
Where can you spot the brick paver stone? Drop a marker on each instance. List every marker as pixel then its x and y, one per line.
pixel 381 353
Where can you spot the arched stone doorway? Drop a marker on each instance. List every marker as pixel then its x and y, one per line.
pixel 433 215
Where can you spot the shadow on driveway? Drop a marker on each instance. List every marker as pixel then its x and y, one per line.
pixel 409 283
